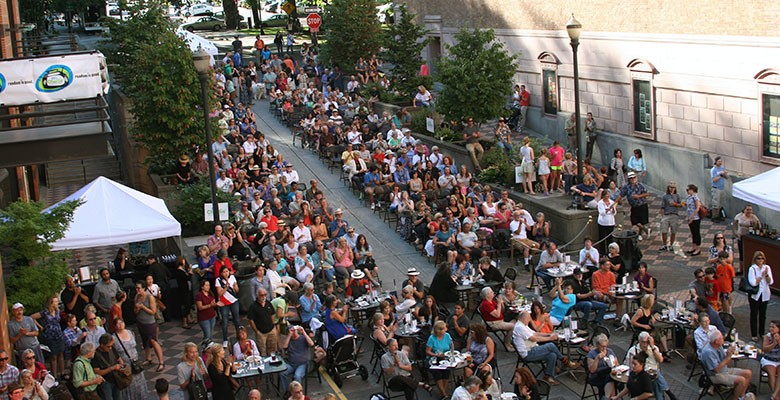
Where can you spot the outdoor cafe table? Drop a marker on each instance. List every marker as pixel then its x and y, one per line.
pixel 262 368
pixel 454 362
pixel 364 306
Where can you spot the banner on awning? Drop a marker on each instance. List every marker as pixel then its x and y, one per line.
pixel 50 79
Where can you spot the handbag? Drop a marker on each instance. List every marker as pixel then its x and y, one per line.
pixel 703 212
pixel 746 287
pixel 197 390
pixel 123 377
pixel 136 367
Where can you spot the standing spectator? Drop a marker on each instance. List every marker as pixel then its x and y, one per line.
pixel 227 294
pixel 724 273
pixel 83 375
pixel 527 165
pixel 693 204
pixel 606 220
pixel 636 194
pixel 74 299
pixel 183 292
pixel 145 309
pixel 471 135
pixel 670 202
pixel 205 303
pixel 590 134
pixel 220 367
pixel 125 345
pixel 92 327
pixel 8 375
pixel 116 309
pixel 260 317
pixel 105 291
pixel 557 153
pixel 52 335
pixel 617 169
pixel 543 169
pixel 298 346
pixel 760 275
pixel 23 332
pixel 571 133
pixel 744 222
pixel 190 369
pixel 525 101
pixel 637 163
pixel 106 363
pixel 74 336
pixel 718 174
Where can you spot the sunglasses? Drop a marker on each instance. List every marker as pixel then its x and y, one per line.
pixel 92 319
pixel 760 258
pixel 699 276
pixel 719 237
pixel 4 359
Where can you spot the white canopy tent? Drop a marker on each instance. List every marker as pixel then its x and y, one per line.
pixel 195 42
pixel 761 190
pixel 115 214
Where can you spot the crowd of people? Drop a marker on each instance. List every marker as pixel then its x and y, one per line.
pixel 310 263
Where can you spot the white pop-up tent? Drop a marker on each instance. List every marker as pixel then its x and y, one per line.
pixel 761 190
pixel 115 214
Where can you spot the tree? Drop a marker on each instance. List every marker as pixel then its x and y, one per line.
pixel 230 7
pixel 403 44
pixel 27 233
pixel 155 70
pixel 352 31
pixel 477 76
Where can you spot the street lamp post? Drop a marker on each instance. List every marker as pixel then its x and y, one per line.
pixel 573 27
pixel 202 61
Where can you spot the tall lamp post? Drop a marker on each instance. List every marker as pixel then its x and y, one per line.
pixel 202 61
pixel 573 27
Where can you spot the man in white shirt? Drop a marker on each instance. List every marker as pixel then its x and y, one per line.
pixel 436 157
pixel 549 258
pixel 534 347
pixel 447 181
pixel 301 233
pixel 520 240
pixel 589 256
pixel 394 132
pixel 353 136
pixel 249 145
pixel 408 140
pixel 291 174
pixel 469 388
pixel 224 183
pixel 646 344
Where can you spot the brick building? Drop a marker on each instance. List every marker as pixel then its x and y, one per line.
pixel 683 81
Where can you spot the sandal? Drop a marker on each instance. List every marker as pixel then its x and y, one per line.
pixel 428 388
pixel 146 362
pixel 160 367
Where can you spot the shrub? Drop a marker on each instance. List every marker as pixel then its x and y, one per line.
pixel 500 170
pixel 189 211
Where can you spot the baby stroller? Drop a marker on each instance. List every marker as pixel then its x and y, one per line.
pixel 342 360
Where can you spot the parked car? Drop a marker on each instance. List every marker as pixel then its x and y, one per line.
pixel 280 21
pixel 199 9
pixel 204 24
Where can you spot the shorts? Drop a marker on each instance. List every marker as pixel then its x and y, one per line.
pixel 716 196
pixel 669 223
pixel 527 167
pixel 726 378
pixel 640 215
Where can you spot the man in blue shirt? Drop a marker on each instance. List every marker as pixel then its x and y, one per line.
pixel 372 184
pixel 588 190
pixel 636 194
pixel 401 175
pixel 716 361
pixel 718 174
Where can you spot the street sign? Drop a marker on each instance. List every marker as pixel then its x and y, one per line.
pixel 314 21
pixel 288 7
pixel 312 10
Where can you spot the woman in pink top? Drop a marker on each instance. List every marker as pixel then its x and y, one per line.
pixel 344 259
pixel 556 165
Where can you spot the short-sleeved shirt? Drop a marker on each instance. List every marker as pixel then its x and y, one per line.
pixel 628 191
pixel 463 322
pixel 439 345
pixel 487 307
pixel 103 360
pixel 711 357
pixel 586 189
pixel 556 156
pixel 25 342
pixel 546 257
pixel 725 274
pixel 714 173
pixel 602 280
pixel 559 308
pixel 666 203
pixel 418 286
pixel 9 376
pixel 279 303
pixel 639 383
pixel 209 313
pixel 184 372
pixel 388 361
pixel 262 316
pixel 298 351
pixel 82 371
pixel 521 335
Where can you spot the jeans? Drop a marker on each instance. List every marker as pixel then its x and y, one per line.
pixel 504 146
pixel 226 311
pixel 548 353
pixel 298 373
pixel 660 386
pixel 108 391
pixel 587 305
pixel 568 181
pixel 207 327
pixel 329 273
pixel 547 279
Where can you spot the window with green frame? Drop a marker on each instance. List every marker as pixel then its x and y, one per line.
pixel 643 107
pixel 771 119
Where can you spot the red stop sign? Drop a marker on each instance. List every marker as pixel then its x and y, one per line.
pixel 314 20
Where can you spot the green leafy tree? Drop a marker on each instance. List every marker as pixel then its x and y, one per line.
pixel 352 31
pixel 155 70
pixel 477 76
pixel 189 207
pixel 404 41
pixel 27 234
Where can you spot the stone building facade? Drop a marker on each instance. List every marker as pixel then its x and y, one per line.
pixel 683 81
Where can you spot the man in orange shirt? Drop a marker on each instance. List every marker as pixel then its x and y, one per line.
pixel 601 281
pixel 259 46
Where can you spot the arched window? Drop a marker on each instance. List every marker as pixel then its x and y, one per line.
pixel 643 97
pixel 549 63
pixel 769 102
